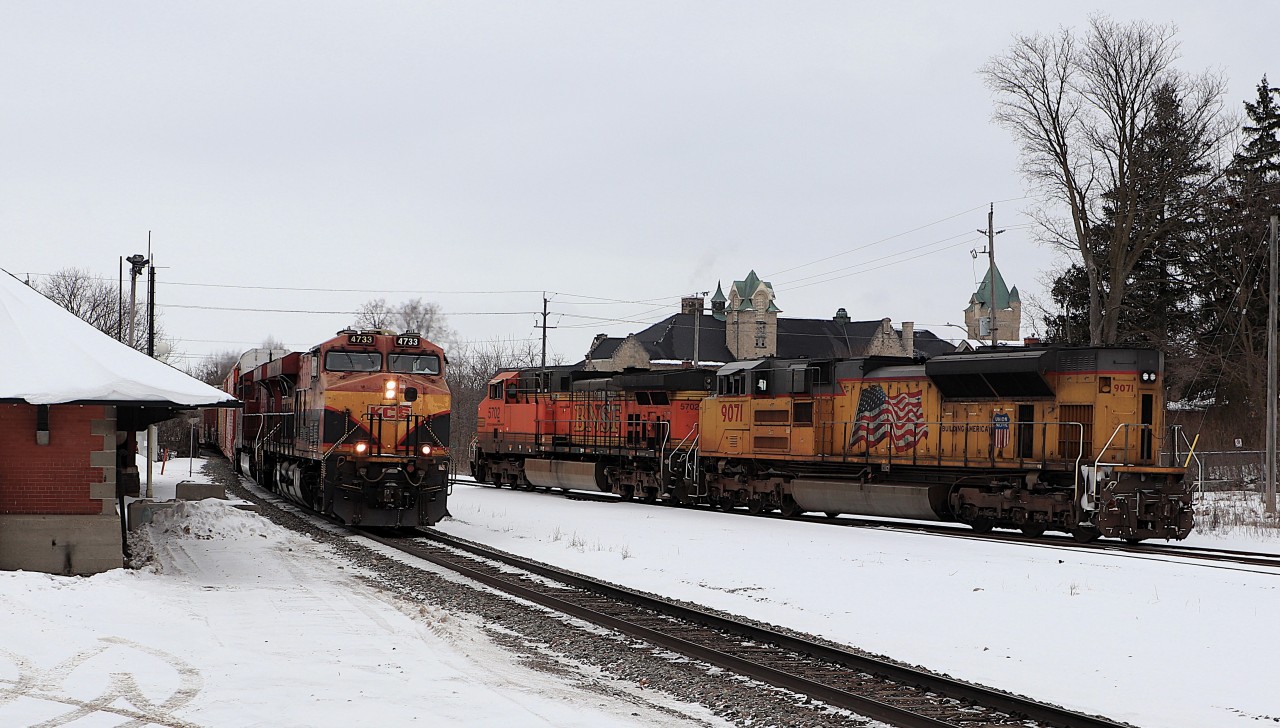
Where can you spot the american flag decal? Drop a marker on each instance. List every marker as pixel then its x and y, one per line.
pixel 1000 423
pixel 897 417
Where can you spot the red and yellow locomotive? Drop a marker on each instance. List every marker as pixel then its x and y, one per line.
pixel 356 428
pixel 1035 439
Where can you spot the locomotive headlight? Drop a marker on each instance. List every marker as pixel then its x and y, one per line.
pixel 390 392
pixel 426 449
pixel 1148 376
pixel 362 447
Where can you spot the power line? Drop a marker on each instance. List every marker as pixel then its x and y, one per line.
pixel 891 237
pixel 330 313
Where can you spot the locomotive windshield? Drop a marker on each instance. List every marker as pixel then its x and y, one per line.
pixel 414 363
pixel 353 361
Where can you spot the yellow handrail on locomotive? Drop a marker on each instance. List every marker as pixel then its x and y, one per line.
pixel 895 425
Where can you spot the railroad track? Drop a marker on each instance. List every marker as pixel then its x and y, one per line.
pixel 867 686
pixel 1210 556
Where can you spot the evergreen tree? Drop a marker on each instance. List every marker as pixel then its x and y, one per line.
pixel 1232 336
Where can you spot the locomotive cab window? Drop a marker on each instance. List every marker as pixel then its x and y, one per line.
pixel 353 361
pixel 414 363
pixel 495 391
pixel 735 384
pixel 759 382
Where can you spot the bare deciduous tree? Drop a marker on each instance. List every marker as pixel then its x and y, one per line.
pixel 1080 106
pixel 424 317
pixel 214 368
pixel 374 314
pixel 470 368
pixel 98 302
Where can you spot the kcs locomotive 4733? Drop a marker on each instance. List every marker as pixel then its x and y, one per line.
pixel 357 427
pixel 1036 439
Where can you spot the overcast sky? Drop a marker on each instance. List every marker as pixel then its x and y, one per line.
pixel 616 155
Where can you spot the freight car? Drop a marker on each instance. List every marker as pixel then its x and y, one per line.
pixel 1035 439
pixel 356 428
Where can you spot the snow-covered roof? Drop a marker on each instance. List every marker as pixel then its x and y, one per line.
pixel 52 357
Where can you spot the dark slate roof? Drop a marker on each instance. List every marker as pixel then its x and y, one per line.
pixel 928 343
pixel 824 338
pixel 671 339
pixel 605 348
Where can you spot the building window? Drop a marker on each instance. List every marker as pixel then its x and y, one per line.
pixel 760 335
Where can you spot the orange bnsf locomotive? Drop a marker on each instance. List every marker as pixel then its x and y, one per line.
pixel 356 428
pixel 1035 439
pixel 570 428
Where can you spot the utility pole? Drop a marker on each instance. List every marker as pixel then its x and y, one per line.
pixel 544 332
pixel 120 300
pixel 991 234
pixel 1272 315
pixel 151 309
pixel 542 374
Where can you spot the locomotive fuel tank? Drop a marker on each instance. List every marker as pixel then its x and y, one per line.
pixel 918 502
pixel 566 474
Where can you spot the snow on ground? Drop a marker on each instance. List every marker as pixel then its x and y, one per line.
pixel 242 623
pixel 1143 640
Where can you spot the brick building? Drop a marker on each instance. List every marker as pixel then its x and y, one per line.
pixel 745 325
pixel 71 399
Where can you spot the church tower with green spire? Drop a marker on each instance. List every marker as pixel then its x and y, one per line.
pixel 1008 310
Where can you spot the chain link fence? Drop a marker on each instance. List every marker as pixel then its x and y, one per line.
pixel 1229 498
pixel 1228 470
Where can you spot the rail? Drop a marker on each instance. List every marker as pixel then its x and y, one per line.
pixel 896 694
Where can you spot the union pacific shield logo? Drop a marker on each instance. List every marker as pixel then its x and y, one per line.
pixel 1000 422
pixel 898 418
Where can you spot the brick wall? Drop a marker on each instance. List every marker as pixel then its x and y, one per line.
pixel 73 475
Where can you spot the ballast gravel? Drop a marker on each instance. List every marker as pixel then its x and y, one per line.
pixel 597 660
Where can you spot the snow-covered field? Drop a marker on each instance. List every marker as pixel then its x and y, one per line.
pixel 240 623
pixel 1142 640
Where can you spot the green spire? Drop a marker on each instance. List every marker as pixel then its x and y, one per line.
pixel 1003 294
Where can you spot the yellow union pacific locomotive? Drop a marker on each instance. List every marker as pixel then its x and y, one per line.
pixel 357 427
pixel 1064 439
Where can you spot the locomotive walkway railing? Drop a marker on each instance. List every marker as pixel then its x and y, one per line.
pixel 1191 453
pixel 850 429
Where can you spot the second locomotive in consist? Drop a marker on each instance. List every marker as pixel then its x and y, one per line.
pixel 357 427
pixel 1036 439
